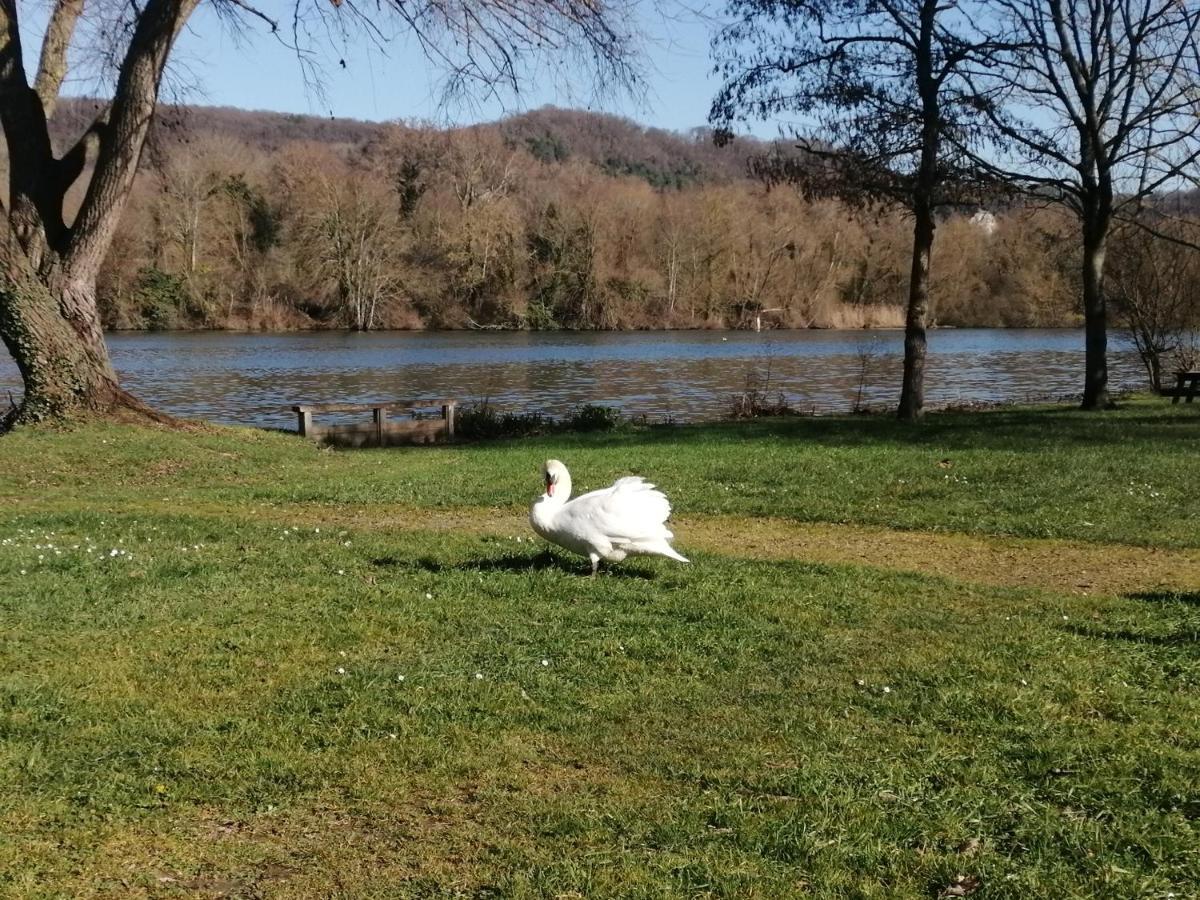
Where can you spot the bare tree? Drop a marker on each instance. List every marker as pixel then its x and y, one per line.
pixel 356 243
pixel 190 179
pixel 1096 106
pixel 49 261
pixel 877 80
pixel 1153 283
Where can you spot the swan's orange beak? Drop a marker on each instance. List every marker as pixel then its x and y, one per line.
pixel 549 488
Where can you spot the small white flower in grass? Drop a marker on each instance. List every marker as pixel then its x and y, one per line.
pixel 346 544
pixel 392 736
pixel 886 689
pixel 1064 618
pixel 1024 682
pixel 22 571
pixel 341 670
pixel 428 596
pixel 341 653
pixel 479 676
pixel 400 678
pixel 40 557
pixel 545 662
pixel 341 571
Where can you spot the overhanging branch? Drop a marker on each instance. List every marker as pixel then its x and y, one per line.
pixel 52 67
pixel 1157 233
pixel 129 122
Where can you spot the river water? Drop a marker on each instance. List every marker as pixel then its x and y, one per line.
pixel 252 379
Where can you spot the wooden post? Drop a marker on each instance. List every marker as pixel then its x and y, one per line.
pixel 448 415
pixel 304 414
pixel 379 414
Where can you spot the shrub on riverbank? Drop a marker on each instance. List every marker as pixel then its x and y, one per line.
pixel 482 421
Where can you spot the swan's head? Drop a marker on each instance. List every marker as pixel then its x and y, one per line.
pixel 557 478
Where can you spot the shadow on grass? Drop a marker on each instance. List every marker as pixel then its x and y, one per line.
pixel 1017 430
pixel 1020 429
pixel 1190 598
pixel 510 562
pixel 1175 639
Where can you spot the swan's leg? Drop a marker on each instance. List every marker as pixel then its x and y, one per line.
pixel 595 558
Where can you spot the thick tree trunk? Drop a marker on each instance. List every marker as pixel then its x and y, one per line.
pixel 1095 319
pixel 912 389
pixel 48 316
pixel 63 362
pixel 52 330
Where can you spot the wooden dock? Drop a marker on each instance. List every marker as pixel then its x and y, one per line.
pixel 421 426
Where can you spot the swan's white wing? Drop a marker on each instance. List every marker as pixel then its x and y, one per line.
pixel 630 510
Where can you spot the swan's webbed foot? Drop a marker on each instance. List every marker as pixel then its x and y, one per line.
pixel 595 563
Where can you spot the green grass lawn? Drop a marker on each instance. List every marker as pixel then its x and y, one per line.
pixel 248 687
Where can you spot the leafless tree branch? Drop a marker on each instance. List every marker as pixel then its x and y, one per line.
pixel 52 67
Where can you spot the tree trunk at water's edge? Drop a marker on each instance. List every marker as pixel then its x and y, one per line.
pixel 1095 320
pixel 912 389
pixel 52 330
pixel 48 316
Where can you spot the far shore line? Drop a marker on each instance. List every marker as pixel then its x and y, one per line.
pixel 333 330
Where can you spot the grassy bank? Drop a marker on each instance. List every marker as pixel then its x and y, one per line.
pixel 236 664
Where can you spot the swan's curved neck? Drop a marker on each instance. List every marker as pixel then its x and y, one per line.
pixel 561 488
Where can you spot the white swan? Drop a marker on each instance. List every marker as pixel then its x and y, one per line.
pixel 610 524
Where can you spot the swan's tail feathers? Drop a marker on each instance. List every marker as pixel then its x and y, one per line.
pixel 671 552
pixel 634 514
pixel 658 548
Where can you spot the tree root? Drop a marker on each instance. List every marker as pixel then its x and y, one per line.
pixel 112 403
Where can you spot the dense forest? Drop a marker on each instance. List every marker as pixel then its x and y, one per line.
pixel 548 219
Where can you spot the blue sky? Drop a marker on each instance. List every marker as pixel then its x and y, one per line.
pixel 255 71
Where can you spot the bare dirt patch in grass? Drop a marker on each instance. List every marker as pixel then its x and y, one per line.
pixel 1066 566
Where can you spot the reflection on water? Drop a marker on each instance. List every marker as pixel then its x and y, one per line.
pixel 253 378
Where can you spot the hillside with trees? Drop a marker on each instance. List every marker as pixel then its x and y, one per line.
pixel 549 219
